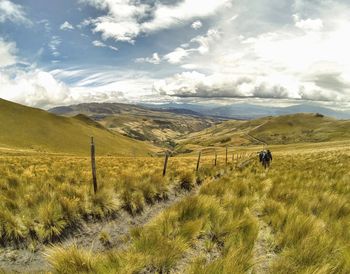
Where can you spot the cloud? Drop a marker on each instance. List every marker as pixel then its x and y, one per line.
pixel 196 25
pixel 176 56
pixel 155 59
pixel 200 44
pixel 205 41
pixel 100 44
pixel 10 11
pixel 308 24
pixel 34 88
pixel 54 44
pixel 121 22
pixel 7 53
pixel 198 85
pixel 168 16
pixel 126 19
pixel 66 26
pixel 97 43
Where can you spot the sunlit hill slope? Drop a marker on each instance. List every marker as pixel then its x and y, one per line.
pixel 29 128
pixel 286 129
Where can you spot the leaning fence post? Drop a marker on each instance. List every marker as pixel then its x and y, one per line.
pixel 198 161
pixel 93 165
pixel 165 163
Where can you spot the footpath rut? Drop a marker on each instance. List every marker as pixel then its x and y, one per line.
pixel 263 251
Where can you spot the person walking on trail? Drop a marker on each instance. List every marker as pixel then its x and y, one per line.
pixel 265 157
pixel 269 155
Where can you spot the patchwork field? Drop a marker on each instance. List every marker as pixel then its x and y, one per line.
pixel 239 218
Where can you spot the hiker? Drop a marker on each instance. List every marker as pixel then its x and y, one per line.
pixel 265 157
pixel 269 155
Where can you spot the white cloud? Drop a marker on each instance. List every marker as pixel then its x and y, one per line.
pixel 127 19
pixel 12 12
pixel 196 24
pixel 34 88
pixel 200 44
pixel 7 51
pixel 166 16
pixel 113 48
pixel 195 84
pixel 66 26
pixel 155 59
pixel 100 44
pixel 54 44
pixel 308 24
pixel 205 41
pixel 176 56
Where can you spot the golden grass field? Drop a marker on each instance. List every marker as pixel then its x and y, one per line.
pixel 291 218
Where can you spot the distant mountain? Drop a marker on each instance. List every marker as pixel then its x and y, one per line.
pixel 250 111
pixel 309 108
pixel 203 109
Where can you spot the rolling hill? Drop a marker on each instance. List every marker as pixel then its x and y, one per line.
pixel 286 129
pixel 29 128
pixel 158 126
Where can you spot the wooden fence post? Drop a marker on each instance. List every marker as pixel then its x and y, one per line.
pixel 216 158
pixel 165 163
pixel 226 156
pixel 198 161
pixel 93 165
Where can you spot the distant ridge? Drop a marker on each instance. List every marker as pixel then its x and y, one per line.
pixel 284 129
pixel 251 111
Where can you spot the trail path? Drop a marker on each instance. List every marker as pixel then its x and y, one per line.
pixel 263 251
pixel 254 138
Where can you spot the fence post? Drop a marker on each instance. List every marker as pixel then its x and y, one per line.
pixel 216 158
pixel 93 165
pixel 165 163
pixel 226 156
pixel 198 161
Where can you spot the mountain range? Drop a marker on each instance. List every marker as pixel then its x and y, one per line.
pixel 250 111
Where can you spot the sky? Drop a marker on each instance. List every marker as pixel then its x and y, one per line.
pixel 274 52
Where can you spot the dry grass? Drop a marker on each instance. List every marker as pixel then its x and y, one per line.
pixel 303 198
pixel 45 196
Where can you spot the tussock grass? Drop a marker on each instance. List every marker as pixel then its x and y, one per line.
pixel 45 197
pixel 71 260
pixel 302 197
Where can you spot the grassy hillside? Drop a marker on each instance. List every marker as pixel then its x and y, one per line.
pixel 287 129
pixel 302 128
pixel 30 128
pixel 158 126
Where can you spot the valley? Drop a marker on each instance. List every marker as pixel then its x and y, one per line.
pixel 220 213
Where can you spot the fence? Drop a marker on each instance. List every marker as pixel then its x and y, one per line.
pixel 239 156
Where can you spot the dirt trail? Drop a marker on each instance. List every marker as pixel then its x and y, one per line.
pixel 22 260
pixel 263 251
